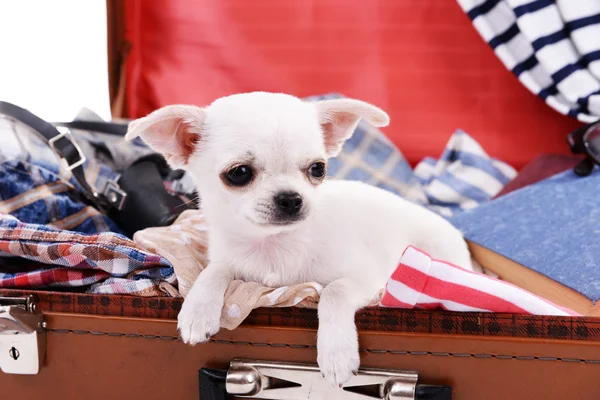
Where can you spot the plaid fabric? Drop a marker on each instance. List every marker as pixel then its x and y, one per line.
pixel 36 256
pixel 552 46
pixel 36 188
pixel 463 177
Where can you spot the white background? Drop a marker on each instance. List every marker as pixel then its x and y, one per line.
pixel 53 57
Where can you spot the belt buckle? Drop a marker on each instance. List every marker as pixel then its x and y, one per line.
pixel 66 133
pixel 114 194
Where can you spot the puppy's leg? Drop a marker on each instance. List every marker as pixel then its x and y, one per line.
pixel 337 341
pixel 200 315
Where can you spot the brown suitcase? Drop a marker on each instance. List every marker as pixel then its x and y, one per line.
pixel 120 347
pixel 123 347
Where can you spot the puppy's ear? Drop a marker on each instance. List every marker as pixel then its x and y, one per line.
pixel 173 131
pixel 339 118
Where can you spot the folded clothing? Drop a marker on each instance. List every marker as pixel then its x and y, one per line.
pixel 184 243
pixel 36 256
pixel 424 283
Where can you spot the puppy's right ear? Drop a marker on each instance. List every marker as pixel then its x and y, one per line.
pixel 173 131
pixel 339 118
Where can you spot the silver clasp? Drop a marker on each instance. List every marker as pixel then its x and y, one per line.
pixel 22 338
pixel 276 380
pixel 114 194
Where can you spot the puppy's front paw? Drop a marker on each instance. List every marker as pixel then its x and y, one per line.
pixel 338 356
pixel 198 321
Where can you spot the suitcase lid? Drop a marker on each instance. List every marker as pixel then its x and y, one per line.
pixel 421 61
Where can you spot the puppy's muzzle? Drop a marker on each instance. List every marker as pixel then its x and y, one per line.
pixel 289 204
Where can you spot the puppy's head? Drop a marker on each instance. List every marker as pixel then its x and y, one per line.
pixel 257 158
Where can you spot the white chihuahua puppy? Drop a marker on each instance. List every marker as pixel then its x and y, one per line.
pixel 259 162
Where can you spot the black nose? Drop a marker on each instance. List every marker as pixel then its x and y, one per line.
pixel 289 203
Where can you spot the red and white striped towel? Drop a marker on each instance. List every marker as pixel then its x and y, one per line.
pixel 424 283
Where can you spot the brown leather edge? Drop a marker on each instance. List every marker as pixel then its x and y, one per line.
pixel 118 48
pixel 435 345
pixel 371 319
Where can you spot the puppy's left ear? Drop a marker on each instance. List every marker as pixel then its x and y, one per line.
pixel 174 131
pixel 339 118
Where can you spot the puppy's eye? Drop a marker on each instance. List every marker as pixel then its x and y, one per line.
pixel 317 170
pixel 240 175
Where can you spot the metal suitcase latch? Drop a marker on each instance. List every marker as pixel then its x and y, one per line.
pixel 277 380
pixel 22 338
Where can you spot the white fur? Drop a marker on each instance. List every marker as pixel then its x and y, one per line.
pixel 351 239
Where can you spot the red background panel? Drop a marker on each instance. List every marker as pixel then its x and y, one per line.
pixel 420 60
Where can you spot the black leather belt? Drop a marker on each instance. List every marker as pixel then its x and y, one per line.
pixel 61 141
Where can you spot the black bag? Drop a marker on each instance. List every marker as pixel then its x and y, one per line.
pixel 137 200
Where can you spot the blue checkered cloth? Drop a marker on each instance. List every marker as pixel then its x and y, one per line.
pixel 463 177
pixel 36 188
pixel 552 46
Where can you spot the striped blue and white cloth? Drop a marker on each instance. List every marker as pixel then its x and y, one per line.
pixel 463 177
pixel 552 46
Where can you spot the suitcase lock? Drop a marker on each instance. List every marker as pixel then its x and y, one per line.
pixel 22 338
